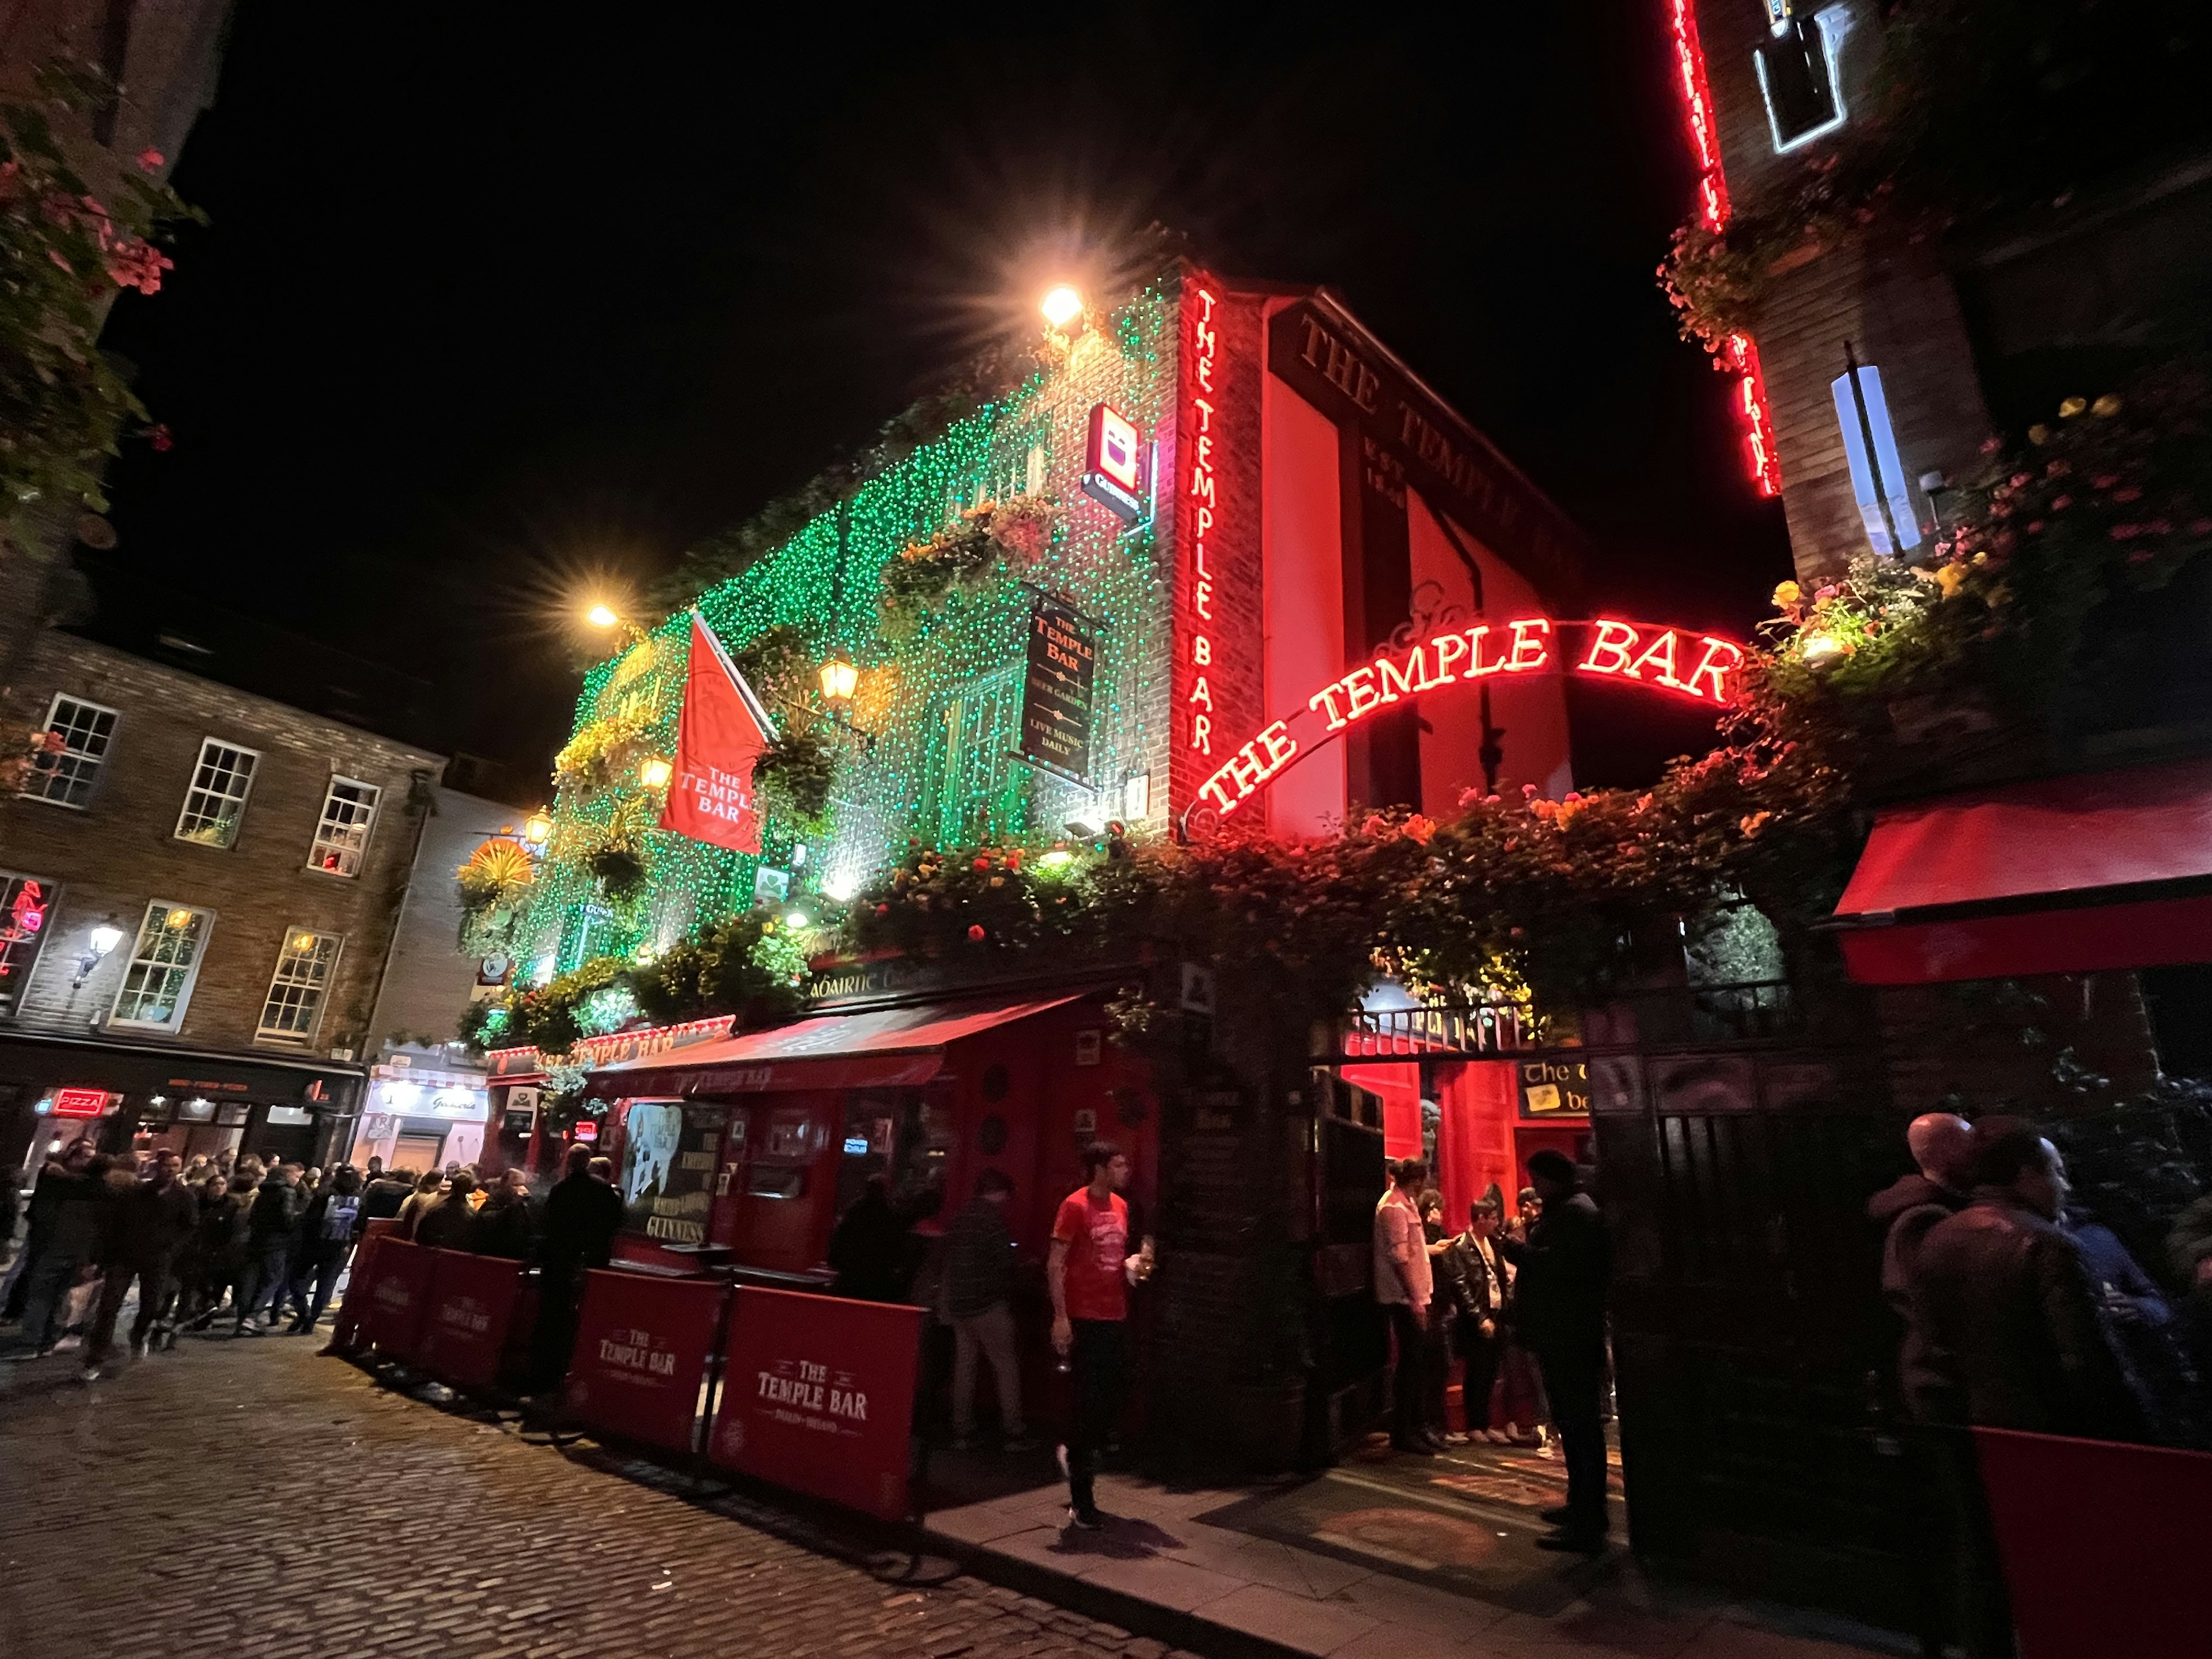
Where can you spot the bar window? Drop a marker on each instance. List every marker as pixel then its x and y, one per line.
pixel 297 990
pixel 1798 78
pixel 158 986
pixel 217 800
pixel 66 765
pixel 342 834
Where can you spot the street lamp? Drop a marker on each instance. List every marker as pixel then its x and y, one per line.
pixel 536 827
pixel 839 678
pixel 600 617
pixel 654 772
pixel 1062 306
pixel 98 944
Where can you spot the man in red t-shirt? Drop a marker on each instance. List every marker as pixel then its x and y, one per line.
pixel 1090 1271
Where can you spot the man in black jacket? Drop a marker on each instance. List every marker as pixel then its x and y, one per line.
pixel 1941 1145
pixel 271 1227
pixel 146 1227
pixel 576 1233
pixel 1560 1293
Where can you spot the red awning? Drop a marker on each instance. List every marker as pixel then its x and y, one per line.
pixel 2071 875
pixel 883 1047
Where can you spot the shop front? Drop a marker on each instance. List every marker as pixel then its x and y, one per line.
pixel 422 1119
pixel 53 1092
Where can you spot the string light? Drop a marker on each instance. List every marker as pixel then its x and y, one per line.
pixel 944 703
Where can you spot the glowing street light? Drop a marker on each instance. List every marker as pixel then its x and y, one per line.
pixel 1062 306
pixel 536 827
pixel 654 772
pixel 839 678
pixel 600 616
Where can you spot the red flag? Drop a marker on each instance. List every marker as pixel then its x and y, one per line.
pixel 721 733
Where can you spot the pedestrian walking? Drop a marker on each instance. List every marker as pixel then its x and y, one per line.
pixel 74 1195
pixel 979 1294
pixel 444 1224
pixel 1090 1272
pixel 1479 1306
pixel 418 1204
pixel 1561 1292
pixel 270 1228
pixel 1404 1286
pixel 327 1229
pixel 144 1228
pixel 583 1213
pixel 56 1176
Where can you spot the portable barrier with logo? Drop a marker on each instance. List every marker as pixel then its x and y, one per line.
pixel 399 1297
pixel 640 1365
pixel 475 1332
pixel 817 1395
pixel 346 1335
pixel 2103 1544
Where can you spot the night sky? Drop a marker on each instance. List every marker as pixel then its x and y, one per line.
pixel 493 313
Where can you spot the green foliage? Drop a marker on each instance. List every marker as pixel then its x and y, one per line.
pixel 778 664
pixel 64 252
pixel 549 1017
pixel 964 555
pixel 746 965
pixel 482 1024
pixel 795 774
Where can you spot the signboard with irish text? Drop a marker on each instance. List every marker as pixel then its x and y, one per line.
pixel 1056 691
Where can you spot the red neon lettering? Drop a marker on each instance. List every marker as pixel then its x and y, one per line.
pixel 1327 695
pixel 1409 677
pixel 1710 666
pixel 1208 300
pixel 1201 484
pixel 1205 373
pixel 1199 693
pixel 1529 653
pixel 1660 654
pixel 1449 645
pixel 1201 650
pixel 1205 413
pixel 1215 787
pixel 1477 668
pixel 1245 770
pixel 1204 521
pixel 1202 733
pixel 1201 596
pixel 1279 745
pixel 1614 638
pixel 1359 686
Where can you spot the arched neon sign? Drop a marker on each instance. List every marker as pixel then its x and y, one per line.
pixel 1678 661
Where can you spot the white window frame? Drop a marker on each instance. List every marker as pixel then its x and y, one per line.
pixel 324 840
pixel 195 789
pixel 264 1031
pixel 1834 22
pixel 160 909
pixel 36 791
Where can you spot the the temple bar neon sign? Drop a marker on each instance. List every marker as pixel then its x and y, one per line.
pixel 1688 665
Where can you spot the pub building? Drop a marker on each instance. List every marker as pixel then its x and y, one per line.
pixel 1245 564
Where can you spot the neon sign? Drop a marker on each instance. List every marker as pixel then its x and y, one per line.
pixel 1738 356
pixel 79 1103
pixel 1205 501
pixel 1681 661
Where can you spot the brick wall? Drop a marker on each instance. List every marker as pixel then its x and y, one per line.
pixel 120 851
pixel 430 981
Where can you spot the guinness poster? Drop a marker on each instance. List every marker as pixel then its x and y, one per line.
pixel 670 1154
pixel 1056 691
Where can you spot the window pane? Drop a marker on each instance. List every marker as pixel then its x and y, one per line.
pixel 26 903
pixel 217 800
pixel 341 837
pixel 77 737
pixel 296 990
pixel 160 978
pixel 1795 73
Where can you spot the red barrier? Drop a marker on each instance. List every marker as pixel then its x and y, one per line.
pixel 817 1395
pixel 353 1308
pixel 475 1330
pixel 2104 1544
pixel 399 1297
pixel 641 1356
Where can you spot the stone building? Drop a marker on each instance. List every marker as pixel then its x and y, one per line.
pixel 202 886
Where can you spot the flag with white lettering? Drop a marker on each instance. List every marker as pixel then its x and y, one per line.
pixel 722 731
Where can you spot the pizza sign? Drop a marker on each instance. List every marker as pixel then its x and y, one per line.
pixel 79 1103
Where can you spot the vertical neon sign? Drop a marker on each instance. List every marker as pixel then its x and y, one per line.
pixel 1205 502
pixel 1739 356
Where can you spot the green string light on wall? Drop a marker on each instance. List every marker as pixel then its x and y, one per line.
pixel 939 705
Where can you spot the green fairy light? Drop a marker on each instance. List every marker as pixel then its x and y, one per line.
pixel 942 705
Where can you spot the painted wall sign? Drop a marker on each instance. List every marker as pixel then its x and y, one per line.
pixel 1056 689
pixel 1679 661
pixel 1554 1088
pixel 1113 464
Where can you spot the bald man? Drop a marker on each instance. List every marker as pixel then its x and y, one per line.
pixel 1941 1145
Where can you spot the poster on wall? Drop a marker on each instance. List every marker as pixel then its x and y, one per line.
pixel 1056 690
pixel 669 1155
pixel 1554 1088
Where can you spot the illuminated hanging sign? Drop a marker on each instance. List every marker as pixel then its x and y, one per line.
pixel 1056 690
pixel 1738 356
pixel 79 1103
pixel 1679 661
pixel 1204 509
pixel 1114 464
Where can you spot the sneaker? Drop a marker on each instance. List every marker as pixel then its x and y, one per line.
pixel 67 1345
pixel 1085 1520
pixel 89 1374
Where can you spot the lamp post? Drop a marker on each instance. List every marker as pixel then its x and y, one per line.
pixel 99 943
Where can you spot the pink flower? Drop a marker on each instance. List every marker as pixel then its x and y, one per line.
pixel 2060 503
pixel 2126 532
pixel 139 265
pixel 1991 444
pixel 975 933
pixel 2021 479
pixel 161 438
pixel 2035 527
pixel 2105 480
pixel 149 159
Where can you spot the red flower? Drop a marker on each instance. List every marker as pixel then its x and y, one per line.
pixel 882 909
pixel 161 438
pixel 981 863
pixel 139 265
pixel 149 159
pixel 975 933
pixel 2130 494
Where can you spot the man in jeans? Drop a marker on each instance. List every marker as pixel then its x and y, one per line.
pixel 1403 1285
pixel 1090 1272
pixel 270 1225
pixel 979 1289
pixel 147 1225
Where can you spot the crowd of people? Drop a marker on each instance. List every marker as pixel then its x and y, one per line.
pixel 2019 1311
pixel 1520 1303
pixel 229 1242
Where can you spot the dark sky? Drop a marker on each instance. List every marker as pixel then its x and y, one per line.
pixel 495 305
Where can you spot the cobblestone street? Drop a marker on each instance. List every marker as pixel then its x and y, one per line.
pixel 248 1498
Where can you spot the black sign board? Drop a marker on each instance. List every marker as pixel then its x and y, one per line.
pixel 1554 1087
pixel 1056 692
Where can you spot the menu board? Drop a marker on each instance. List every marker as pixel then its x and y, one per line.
pixel 1056 691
